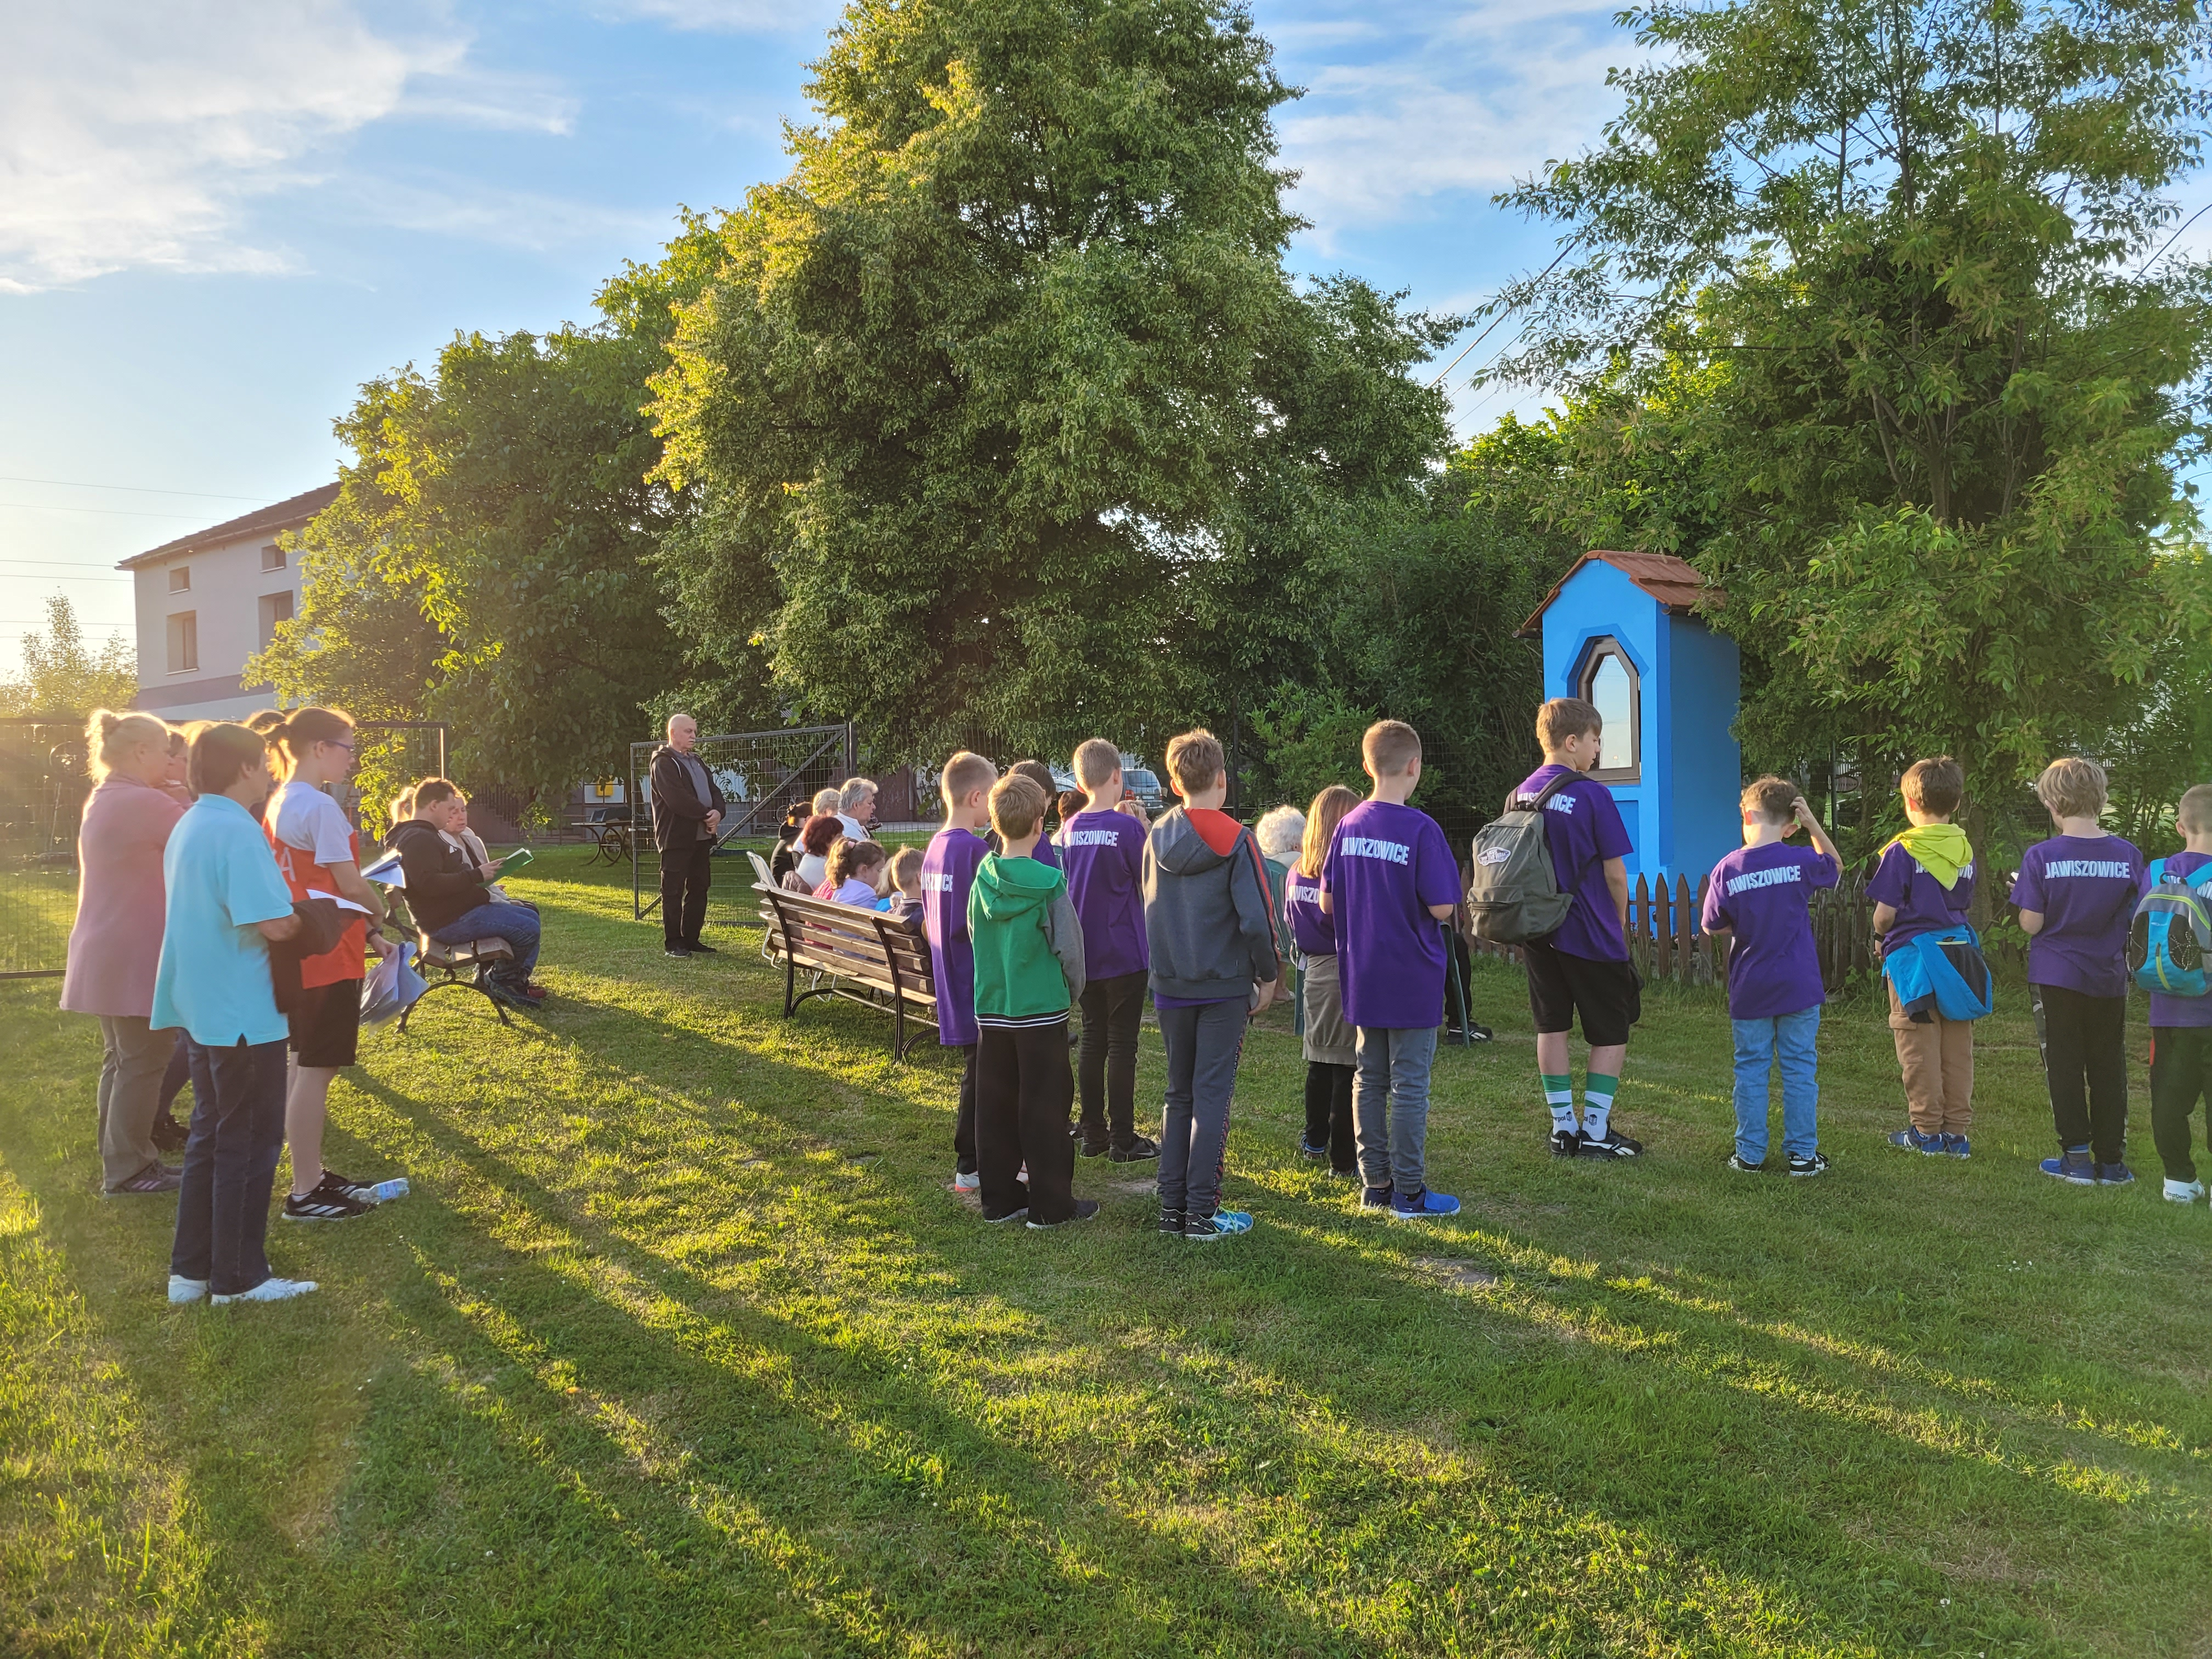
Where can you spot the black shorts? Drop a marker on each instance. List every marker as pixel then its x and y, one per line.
pixel 1605 993
pixel 326 1025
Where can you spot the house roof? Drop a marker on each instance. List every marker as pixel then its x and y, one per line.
pixel 264 520
pixel 1674 582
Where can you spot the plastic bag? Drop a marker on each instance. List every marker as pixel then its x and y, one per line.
pixel 391 987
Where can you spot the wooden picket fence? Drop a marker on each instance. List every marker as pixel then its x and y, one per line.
pixel 1664 942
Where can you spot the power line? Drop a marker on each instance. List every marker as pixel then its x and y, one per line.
pixel 109 512
pixel 135 489
pixel 57 564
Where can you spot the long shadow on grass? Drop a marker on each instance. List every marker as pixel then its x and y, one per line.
pixel 686 1299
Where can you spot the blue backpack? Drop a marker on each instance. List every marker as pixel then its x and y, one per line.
pixel 2172 934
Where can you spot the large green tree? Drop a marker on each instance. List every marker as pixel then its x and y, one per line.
pixel 1867 306
pixel 64 674
pixel 1002 402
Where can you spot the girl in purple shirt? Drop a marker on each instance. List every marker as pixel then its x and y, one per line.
pixel 1330 1047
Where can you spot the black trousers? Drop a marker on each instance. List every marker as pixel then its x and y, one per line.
pixel 1106 1067
pixel 1328 1113
pixel 1024 1090
pixel 685 874
pixel 963 1125
pixel 2180 1067
pixel 2085 1059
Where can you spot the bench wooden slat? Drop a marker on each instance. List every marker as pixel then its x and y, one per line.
pixel 855 948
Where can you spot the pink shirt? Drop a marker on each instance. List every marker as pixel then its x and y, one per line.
pixel 117 942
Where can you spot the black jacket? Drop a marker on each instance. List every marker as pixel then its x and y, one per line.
pixel 679 816
pixel 442 885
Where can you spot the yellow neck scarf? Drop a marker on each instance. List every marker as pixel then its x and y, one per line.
pixel 1940 850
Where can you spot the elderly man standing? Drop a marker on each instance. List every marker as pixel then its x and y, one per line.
pixel 687 808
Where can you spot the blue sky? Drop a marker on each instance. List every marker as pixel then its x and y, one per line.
pixel 223 215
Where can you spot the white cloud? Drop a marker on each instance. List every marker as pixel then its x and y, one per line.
pixel 734 16
pixel 505 218
pixel 131 133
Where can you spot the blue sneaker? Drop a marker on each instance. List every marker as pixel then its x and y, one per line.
pixel 1373 1198
pixel 2114 1174
pixel 1957 1146
pixel 2074 1166
pixel 1222 1223
pixel 1913 1141
pixel 1427 1205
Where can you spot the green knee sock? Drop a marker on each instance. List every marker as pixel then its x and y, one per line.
pixel 1559 1095
pixel 1597 1103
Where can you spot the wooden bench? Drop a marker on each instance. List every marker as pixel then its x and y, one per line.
pixel 862 955
pixel 457 964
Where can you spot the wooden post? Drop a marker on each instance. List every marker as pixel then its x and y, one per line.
pixel 1686 948
pixel 1663 931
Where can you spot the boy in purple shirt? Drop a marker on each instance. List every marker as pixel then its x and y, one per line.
pixel 1388 885
pixel 2181 1027
pixel 1582 966
pixel 1103 853
pixel 2076 894
pixel 1925 884
pixel 948 871
pixel 1762 894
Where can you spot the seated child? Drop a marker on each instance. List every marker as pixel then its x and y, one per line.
pixel 853 866
pixel 1329 1043
pixel 1925 884
pixel 1028 950
pixel 2181 1027
pixel 1210 938
pixel 2076 894
pixel 900 888
pixel 1762 894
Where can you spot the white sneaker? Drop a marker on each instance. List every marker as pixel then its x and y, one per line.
pixel 2183 1191
pixel 970 1182
pixel 191 1290
pixel 271 1289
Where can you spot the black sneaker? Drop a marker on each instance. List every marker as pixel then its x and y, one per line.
pixel 168 1134
pixel 1171 1223
pixel 1140 1151
pixel 1307 1149
pixel 1375 1198
pixel 676 949
pixel 360 1190
pixel 1742 1165
pixel 700 948
pixel 1092 1148
pixel 1816 1164
pixel 326 1203
pixel 1007 1215
pixel 1084 1209
pixel 1610 1144
pixel 1566 1143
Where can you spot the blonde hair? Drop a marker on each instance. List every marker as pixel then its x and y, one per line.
pixel 1095 761
pixel 2072 788
pixel 1017 806
pixel 295 733
pixel 1279 832
pixel 403 806
pixel 963 774
pixel 1194 761
pixel 904 871
pixel 1562 717
pixel 825 800
pixel 1327 812
pixel 2195 811
pixel 110 737
pixel 1773 798
pixel 850 858
pixel 1389 747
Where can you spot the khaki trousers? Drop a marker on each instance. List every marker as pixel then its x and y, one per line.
pixel 132 1062
pixel 1937 1059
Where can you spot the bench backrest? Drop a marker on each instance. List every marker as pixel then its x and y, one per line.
pixel 843 939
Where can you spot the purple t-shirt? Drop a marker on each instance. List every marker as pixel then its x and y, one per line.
pixel 1765 895
pixel 1103 856
pixel 2192 1012
pixel 1312 929
pixel 1044 851
pixel 1583 830
pixel 948 871
pixel 1386 865
pixel 1922 904
pixel 2086 888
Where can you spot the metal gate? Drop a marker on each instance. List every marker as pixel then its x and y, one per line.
pixel 43 784
pixel 761 775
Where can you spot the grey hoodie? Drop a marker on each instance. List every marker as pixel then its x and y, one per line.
pixel 1207 919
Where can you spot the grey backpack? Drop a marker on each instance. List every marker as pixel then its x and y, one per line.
pixel 1514 894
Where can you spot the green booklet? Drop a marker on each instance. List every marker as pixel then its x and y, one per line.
pixel 514 860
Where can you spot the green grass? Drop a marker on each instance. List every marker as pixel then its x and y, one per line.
pixel 681 1346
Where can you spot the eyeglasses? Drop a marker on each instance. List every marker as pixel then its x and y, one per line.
pixel 334 744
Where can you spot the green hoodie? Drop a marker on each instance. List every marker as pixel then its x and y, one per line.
pixel 1028 943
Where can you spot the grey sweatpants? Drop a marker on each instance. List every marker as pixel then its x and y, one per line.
pixel 1390 1106
pixel 1204 1044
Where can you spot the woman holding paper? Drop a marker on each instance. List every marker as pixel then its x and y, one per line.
pixel 319 854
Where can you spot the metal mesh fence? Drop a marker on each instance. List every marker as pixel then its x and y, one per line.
pixel 762 775
pixel 390 755
pixel 42 789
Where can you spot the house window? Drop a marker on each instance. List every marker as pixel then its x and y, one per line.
pixel 1612 686
pixel 185 643
pixel 275 607
pixel 180 579
pixel 272 557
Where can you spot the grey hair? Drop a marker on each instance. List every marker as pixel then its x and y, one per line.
pixel 853 792
pixel 1280 833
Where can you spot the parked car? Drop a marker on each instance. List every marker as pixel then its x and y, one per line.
pixel 1146 787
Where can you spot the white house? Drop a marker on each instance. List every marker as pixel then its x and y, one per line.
pixel 207 602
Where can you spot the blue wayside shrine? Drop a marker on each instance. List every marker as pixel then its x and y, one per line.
pixel 1619 631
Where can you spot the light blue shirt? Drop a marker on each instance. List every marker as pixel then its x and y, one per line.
pixel 222 878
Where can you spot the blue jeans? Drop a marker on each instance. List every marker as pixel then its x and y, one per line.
pixel 230 1166
pixel 515 923
pixel 1390 1106
pixel 1759 1043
